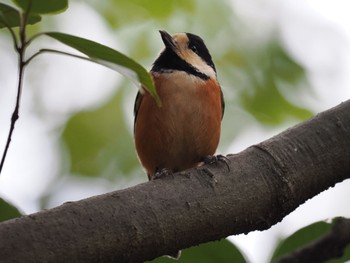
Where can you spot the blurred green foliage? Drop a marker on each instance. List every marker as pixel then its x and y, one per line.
pixel 221 251
pixel 99 142
pixel 8 211
pixel 264 98
pixel 119 13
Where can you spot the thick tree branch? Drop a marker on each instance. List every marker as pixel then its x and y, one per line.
pixel 265 182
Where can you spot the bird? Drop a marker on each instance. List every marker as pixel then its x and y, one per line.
pixel 185 130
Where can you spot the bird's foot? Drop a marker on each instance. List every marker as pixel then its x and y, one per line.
pixel 211 159
pixel 161 172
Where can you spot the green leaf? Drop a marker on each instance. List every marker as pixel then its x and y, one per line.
pixel 99 142
pixel 301 238
pixel 10 17
pixel 220 251
pixel 8 211
pixel 42 6
pixel 109 57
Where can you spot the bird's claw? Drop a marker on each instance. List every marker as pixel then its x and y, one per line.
pixel 210 159
pixel 161 173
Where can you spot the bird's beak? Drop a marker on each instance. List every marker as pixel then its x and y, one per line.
pixel 168 40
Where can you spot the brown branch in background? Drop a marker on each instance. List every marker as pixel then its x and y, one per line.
pixel 264 183
pixel 330 246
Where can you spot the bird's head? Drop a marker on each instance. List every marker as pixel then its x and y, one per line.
pixel 185 52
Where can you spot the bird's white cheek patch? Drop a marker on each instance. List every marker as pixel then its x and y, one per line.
pixel 197 62
pixel 206 69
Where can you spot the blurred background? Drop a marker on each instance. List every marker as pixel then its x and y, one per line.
pixel 279 63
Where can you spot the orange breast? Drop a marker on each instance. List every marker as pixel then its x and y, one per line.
pixel 185 129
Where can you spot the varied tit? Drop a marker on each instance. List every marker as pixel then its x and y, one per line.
pixel 185 130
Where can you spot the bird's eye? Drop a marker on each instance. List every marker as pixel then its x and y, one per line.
pixel 194 49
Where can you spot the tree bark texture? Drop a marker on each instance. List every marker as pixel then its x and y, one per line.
pixel 265 182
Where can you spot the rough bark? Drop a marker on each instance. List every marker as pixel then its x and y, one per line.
pixel 265 182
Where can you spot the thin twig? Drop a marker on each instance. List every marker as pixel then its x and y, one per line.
pixel 21 65
pixel 30 39
pixel 41 51
pixel 15 114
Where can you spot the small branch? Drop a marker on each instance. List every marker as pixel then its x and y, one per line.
pixel 24 19
pixel 14 38
pixel 30 40
pixel 15 114
pixel 330 246
pixel 21 66
pixel 41 51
